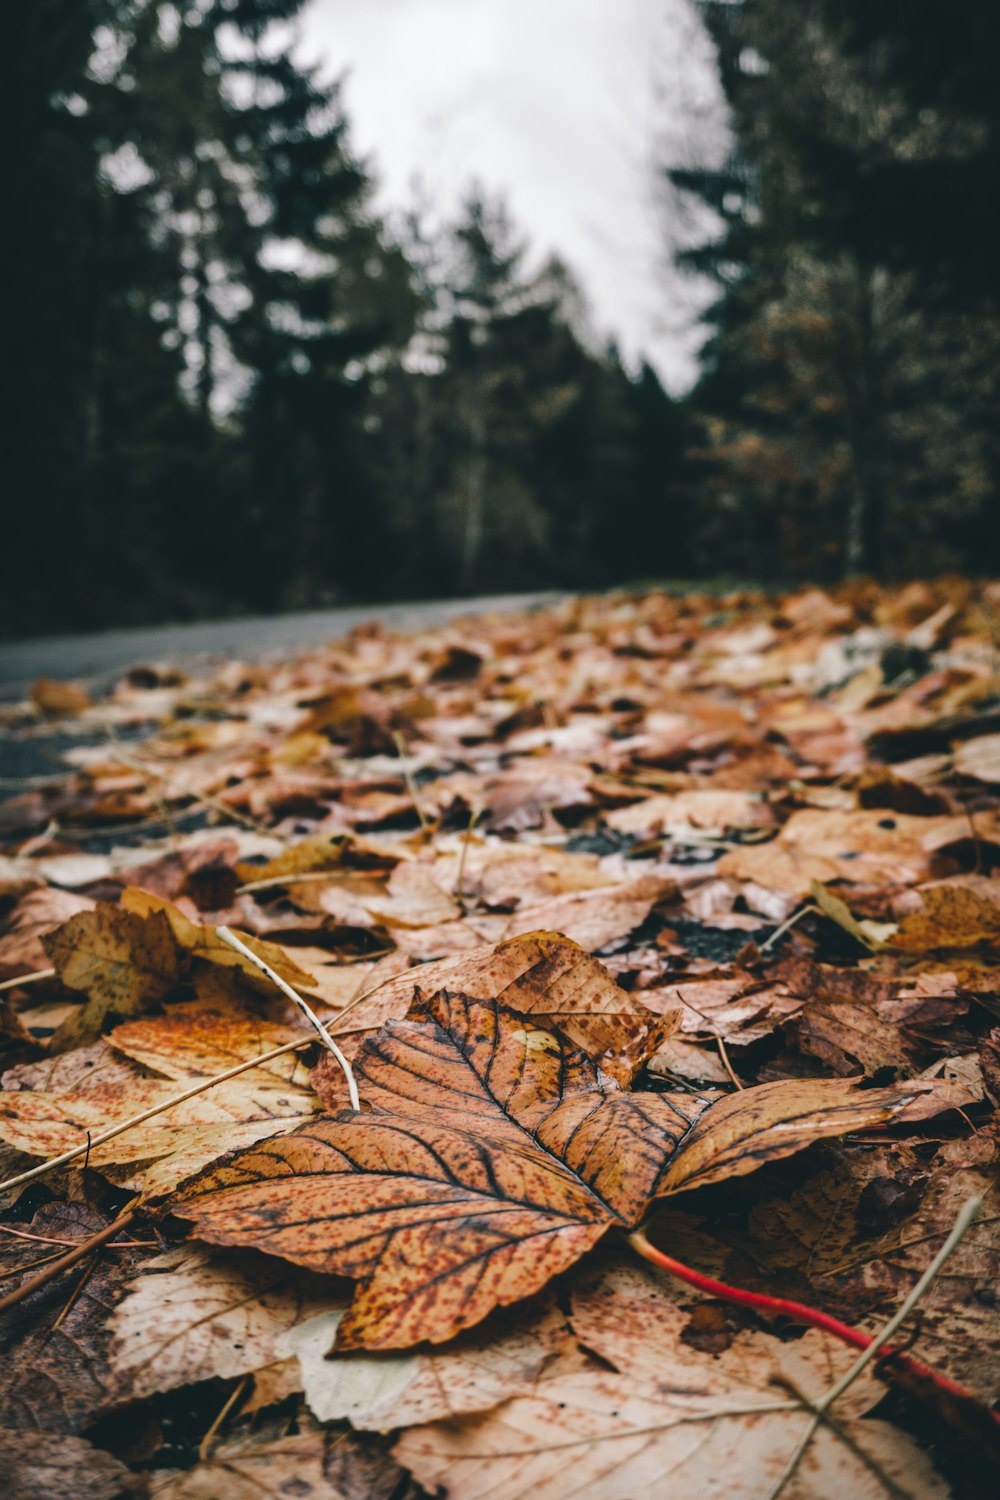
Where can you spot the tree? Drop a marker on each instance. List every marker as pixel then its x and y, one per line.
pixel 821 406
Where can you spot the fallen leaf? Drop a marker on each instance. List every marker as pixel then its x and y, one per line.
pixel 496 1157
pixel 122 962
pixel 864 847
pixel 979 758
pixel 541 974
pixel 59 699
pixel 53 1372
pixel 308 855
pixel 203 943
pixel 176 1141
pixel 193 1315
pixel 381 1392
pixel 873 935
pixel 62 1468
pixel 864 1230
pixel 307 1466
pixel 414 899
pixel 686 813
pixel 956 914
pixel 36 914
pixel 604 1435
pixel 197 1039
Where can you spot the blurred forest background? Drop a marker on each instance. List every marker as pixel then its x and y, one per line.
pixel 231 388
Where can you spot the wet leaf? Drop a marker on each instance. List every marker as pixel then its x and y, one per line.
pixel 54 1370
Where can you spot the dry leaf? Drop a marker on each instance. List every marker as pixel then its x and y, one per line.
pixel 496 1158
pixel 45 1464
pixel 979 758
pixel 203 943
pixel 381 1392
pixel 177 1141
pixel 541 974
pixel 60 699
pixel 199 1038
pixel 193 1315
pixel 308 1466
pixel 956 914
pixel 604 1436
pixel 122 962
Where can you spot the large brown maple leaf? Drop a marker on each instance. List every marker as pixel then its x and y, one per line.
pixel 494 1155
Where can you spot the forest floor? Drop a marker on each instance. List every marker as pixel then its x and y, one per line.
pixel 548 1054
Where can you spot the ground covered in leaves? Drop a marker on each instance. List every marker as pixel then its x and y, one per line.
pixel 642 921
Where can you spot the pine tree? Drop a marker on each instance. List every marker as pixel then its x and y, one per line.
pixel 823 418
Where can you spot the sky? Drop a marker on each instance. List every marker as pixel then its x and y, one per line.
pixel 569 109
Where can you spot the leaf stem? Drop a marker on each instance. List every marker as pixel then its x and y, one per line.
pixel 799 1312
pixel 39 974
pixel 788 924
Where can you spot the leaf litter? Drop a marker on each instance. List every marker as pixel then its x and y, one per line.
pixel 641 922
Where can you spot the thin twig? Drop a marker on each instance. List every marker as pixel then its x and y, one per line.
pixel 276 880
pixel 307 1010
pixel 205 1446
pixel 31 846
pixel 724 1055
pixel 788 924
pixel 64 1262
pixel 411 786
pixel 39 974
pixel 966 1217
pixel 49 1239
pixel 460 877
pixel 81 1283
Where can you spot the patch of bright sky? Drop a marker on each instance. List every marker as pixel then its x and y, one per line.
pixel 567 108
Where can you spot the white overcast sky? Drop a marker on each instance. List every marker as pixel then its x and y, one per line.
pixel 566 107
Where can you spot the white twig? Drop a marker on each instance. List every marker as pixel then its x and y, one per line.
pixel 966 1216
pixel 307 1010
pixel 13 984
pixel 787 925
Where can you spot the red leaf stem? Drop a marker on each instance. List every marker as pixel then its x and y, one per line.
pixel 800 1312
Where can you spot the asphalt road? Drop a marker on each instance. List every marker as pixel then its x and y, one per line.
pixel 93 659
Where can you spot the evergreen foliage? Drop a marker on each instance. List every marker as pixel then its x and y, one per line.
pixel 232 390
pixel 848 407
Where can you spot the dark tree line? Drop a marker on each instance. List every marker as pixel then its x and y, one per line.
pixel 230 388
pixel 848 412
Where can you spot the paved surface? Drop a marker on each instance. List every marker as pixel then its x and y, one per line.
pixel 93 658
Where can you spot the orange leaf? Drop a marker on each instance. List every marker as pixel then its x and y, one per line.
pixel 495 1157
